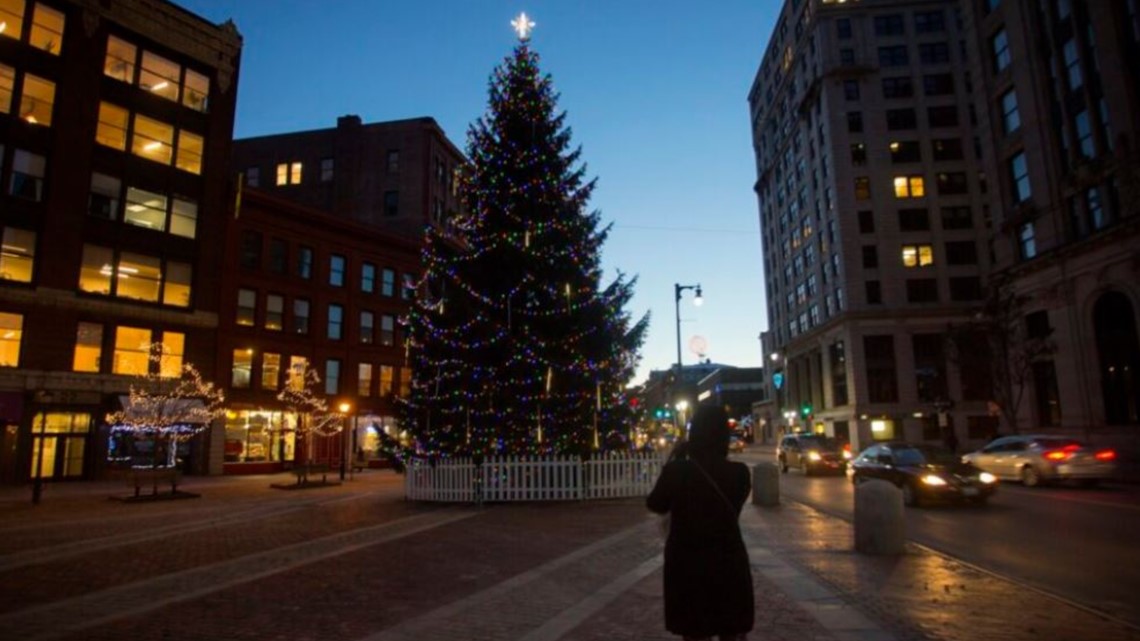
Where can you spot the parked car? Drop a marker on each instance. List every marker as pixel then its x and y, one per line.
pixel 811 453
pixel 1034 459
pixel 736 444
pixel 924 473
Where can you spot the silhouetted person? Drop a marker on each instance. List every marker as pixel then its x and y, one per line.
pixel 708 581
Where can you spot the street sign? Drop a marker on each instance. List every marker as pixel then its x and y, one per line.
pixel 778 379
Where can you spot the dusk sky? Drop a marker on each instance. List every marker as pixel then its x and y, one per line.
pixel 655 93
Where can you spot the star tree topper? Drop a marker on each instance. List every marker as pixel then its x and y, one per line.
pixel 523 25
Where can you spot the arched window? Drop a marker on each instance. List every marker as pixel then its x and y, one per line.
pixel 1119 351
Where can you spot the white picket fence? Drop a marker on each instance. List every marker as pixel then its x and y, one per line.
pixel 501 479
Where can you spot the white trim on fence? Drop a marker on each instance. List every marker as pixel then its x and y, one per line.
pixel 549 478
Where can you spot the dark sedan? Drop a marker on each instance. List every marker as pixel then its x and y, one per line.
pixel 924 473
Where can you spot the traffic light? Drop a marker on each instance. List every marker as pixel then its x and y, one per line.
pixel 805 410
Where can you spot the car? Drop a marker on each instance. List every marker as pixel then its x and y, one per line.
pixel 811 453
pixel 736 444
pixel 924 473
pixel 1036 459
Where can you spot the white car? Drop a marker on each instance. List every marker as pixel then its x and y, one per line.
pixel 1035 459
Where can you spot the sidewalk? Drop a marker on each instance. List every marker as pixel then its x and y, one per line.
pixel 355 562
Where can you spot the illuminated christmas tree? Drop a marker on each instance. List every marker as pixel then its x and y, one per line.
pixel 515 343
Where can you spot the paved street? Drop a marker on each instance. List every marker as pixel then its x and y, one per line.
pixel 357 562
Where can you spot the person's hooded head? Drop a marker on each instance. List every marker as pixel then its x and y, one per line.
pixel 708 433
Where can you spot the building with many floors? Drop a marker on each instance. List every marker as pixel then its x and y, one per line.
pixel 116 120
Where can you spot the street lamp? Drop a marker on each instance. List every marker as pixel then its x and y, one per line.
pixel 697 300
pixel 344 409
pixel 682 407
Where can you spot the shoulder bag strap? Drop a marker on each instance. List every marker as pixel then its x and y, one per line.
pixel 716 487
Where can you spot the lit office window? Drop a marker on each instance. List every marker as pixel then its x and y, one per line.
pixel 37 100
pixel 47 29
pixel 17 258
pixel 917 255
pixel 88 348
pixel 909 187
pixel 11 334
pixel 132 351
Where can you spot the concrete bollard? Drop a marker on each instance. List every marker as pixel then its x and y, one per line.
pixel 765 484
pixel 879 524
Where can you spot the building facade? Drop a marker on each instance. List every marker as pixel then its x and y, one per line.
pixel 1060 114
pixel 115 131
pixel 874 215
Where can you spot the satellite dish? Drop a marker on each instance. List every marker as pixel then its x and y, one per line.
pixel 699 346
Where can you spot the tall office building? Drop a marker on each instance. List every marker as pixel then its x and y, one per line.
pixel 116 120
pixel 1061 114
pixel 874 217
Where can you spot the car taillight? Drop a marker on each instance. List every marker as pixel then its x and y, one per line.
pixel 1106 455
pixel 1056 455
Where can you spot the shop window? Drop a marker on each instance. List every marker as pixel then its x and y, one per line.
pixel 364 380
pixel 11 335
pixel 159 76
pixel 332 377
pixel 246 307
pixel 917 255
pixel 12 15
pixel 132 351
pixel 88 348
pixel 336 322
pixel 152 139
pixel 258 436
pixel 270 371
pixel 242 370
pixel 37 100
pixel 28 172
pixel 367 329
pixel 18 256
pixel 173 350
pixel 189 157
pixel 111 130
pixel 145 209
pixel 47 29
pixel 387 380
pixel 120 60
pixel 387 330
pixel 387 282
pixel 300 316
pixel 909 187
pixel 275 312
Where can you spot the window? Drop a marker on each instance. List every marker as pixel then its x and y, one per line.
pixel 929 366
pixel 938 84
pixel 300 316
pixel 37 100
pixel 336 322
pixel 894 56
pixel 408 288
pixel 120 60
pixel 942 116
pixel 12 13
pixel 847 56
pixel 387 282
pixel 189 155
pixel 160 76
pixel 298 365
pixel 965 288
pixel 11 335
pixel 851 89
pixel 874 292
pixel 275 312
pixel 950 183
pixel 854 121
pixel 132 351
pixel 134 276
pixel 900 87
pixel 28 171
pixel 242 370
pixel 289 173
pixel 858 153
pixel 862 188
pixel 961 252
pixel 336 270
pixel 1084 134
pixel 364 379
pixel 866 221
pixel 253 177
pixel 890 25
pixel 909 187
pixel 152 139
pixel 391 203
pixel 88 348
pixel 905 151
pixel 843 28
pixel 47 29
pixel 1010 118
pixel 278 256
pixel 197 91
pixel 1097 218
pixel 870 257
pixel 250 257
pixel 1027 240
pixel 1072 64
pixel 934 53
pixel 176 288
pixel 387 330
pixel 957 218
pixel 879 360
pixel 246 307
pixel 368 278
pixel 332 377
pixel 18 256
pixel 929 22
pixel 922 290
pixel 387 380
pixel 901 119
pixel 7 87
pixel 145 209
pixel 111 129
pixel 1000 45
pixel 367 329
pixel 947 149
pixel 1019 177
pixel 393 161
pixel 326 170
pixel 270 371
pixel 917 255
pixel 305 262
pixel 171 351
pixel 183 217
pixel 405 381
pixel 914 220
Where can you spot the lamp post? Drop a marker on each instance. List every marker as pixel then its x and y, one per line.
pixel 697 300
pixel 344 409
pixel 38 480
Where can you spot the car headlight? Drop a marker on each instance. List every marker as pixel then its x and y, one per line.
pixel 846 455
pixel 933 479
pixel 814 456
pixel 986 477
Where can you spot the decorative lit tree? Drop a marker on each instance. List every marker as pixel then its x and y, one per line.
pixel 170 404
pixel 515 344
pixel 302 396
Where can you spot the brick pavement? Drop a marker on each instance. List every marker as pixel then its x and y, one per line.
pixel 355 562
